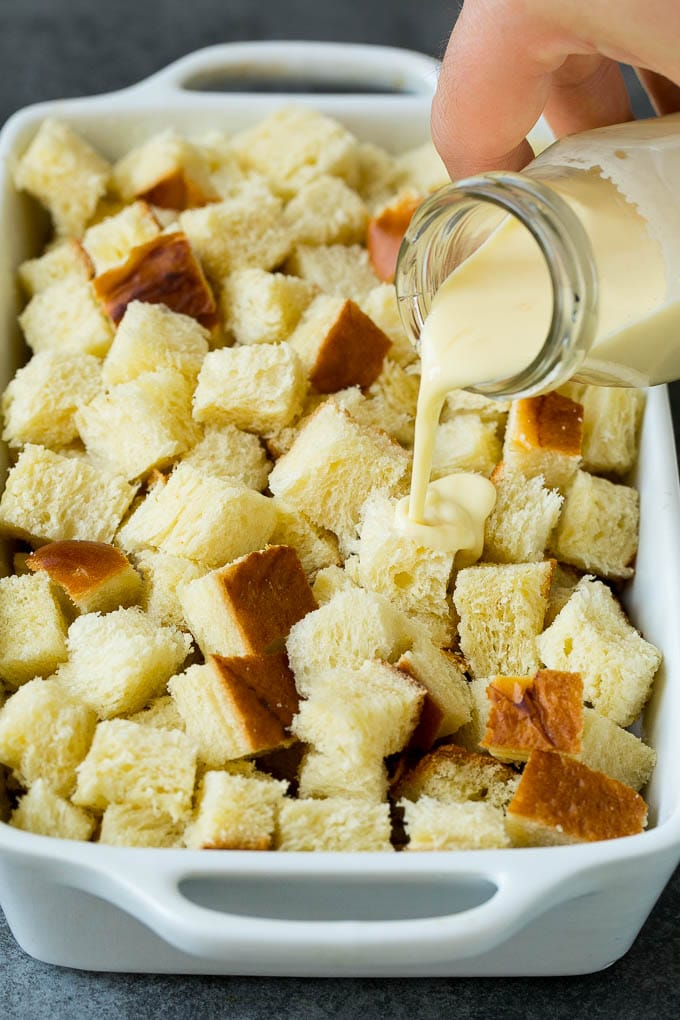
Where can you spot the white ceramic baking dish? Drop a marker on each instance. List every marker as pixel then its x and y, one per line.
pixel 511 912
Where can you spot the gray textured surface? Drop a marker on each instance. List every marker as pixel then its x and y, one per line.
pixel 51 48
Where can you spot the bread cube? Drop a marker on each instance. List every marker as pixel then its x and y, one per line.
pixel 393 401
pixel 333 466
pixel 544 437
pixel 134 825
pixel 231 454
pixel 95 576
pixel 329 581
pixel 111 240
pixel 519 527
pixel 316 547
pixel 32 629
pixel 471 735
pixel 234 707
pixel 248 606
pixel 448 703
pixel 356 777
pixel 422 169
pixel 465 443
pixel 235 813
pixel 326 211
pixel 65 173
pixel 139 425
pixel 598 527
pixel 460 402
pixel 611 427
pixel 45 813
pixel 162 576
pixel 138 766
pixel 39 404
pixel 618 753
pixel 501 611
pixel 561 801
pixel 381 305
pixel 296 145
pixel 543 712
pixel 564 581
pixel 592 636
pixel 243 232
pixel 259 387
pixel 342 270
pixel 162 271
pixel 167 171
pixel 263 308
pixel 160 713
pixel 452 775
pixel 385 232
pixel 66 259
pixel 438 825
pixel 66 317
pixel 200 517
pixel 151 337
pixel 379 174
pixel 354 626
pixel 337 823
pixel 119 661
pixel 49 497
pixel 339 345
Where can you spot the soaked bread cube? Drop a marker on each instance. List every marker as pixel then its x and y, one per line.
pixel 45 813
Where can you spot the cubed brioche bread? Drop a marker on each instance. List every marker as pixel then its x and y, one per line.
pixel 66 317
pixel 167 171
pixel 234 707
pixel 422 169
pixel 110 241
pixel 138 825
pixel 65 173
pixel 32 629
pixel 560 800
pixel 45 813
pixel 151 337
pixel 341 270
pixel 564 581
pixel 336 823
pixel 138 766
pixel 385 232
pixel 258 387
pixel 609 748
pixel 501 610
pixel 611 426
pixel 465 402
pixel 447 690
pixel 45 734
pixel 544 437
pixel 591 635
pixel 40 403
pixel 316 547
pixel 338 344
pixel 96 576
pixel 326 211
pixel 160 713
pixel 231 454
pixel 162 575
pixel 598 527
pixel 452 775
pixel 394 398
pixel 518 528
pixel 65 259
pixel 356 777
pixel 379 174
pixel 329 581
pixel 201 518
pixel 438 825
pixel 381 305
pixel 235 813
pixel 119 661
pixel 465 443
pixel 263 308
pixel 542 712
pixel 471 735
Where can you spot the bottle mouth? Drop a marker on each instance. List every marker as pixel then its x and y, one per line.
pixel 446 229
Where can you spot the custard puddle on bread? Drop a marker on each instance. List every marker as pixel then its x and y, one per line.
pixel 215 636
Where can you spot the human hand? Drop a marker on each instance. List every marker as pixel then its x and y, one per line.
pixel 509 61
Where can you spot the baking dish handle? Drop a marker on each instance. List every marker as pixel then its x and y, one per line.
pixel 360 68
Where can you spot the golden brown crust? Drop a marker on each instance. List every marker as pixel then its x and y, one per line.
pixel 161 271
pixel 384 235
pixel 551 422
pixel 269 677
pixel 78 567
pixel 441 763
pixel 431 715
pixel 351 353
pixel 264 843
pixel 580 805
pixel 260 728
pixel 543 712
pixel 177 191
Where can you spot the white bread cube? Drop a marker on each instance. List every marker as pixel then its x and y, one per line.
pixel 329 581
pixel 435 825
pixel 465 443
pixel 357 777
pixel 334 824
pixel 263 308
pixel 333 466
pixel 231 454
pixel 354 626
pixel 464 402
pixel 151 337
pixel 258 387
pixel 296 145
pixel 32 629
pixel 379 174
pixel 598 527
pixel 66 317
pixel 65 173
pixel 135 825
pixel 235 813
pixel 471 735
pixel 454 775
pixel 44 734
pixel 111 240
pixel 40 403
pixel 449 705
pixel 393 401
pixel 422 169
pixel 381 305
pixel 45 813
pixel 609 748
pixel 167 171
pixel 326 211
pixel 161 713
pixel 501 611
pixel 162 576
pixel 518 528
pixel 564 581
pixel 200 517
pixel 49 497
pixel 66 259
pixel 316 547
pixel 139 425
pixel 244 232
pixel 544 437
pixel 138 766
pixel 119 661
pixel 592 636
pixel 94 576
pixel 342 270
pixel 611 426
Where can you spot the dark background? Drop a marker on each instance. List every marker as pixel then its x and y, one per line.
pixel 59 48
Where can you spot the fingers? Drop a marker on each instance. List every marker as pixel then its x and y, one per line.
pixel 664 94
pixel 587 91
